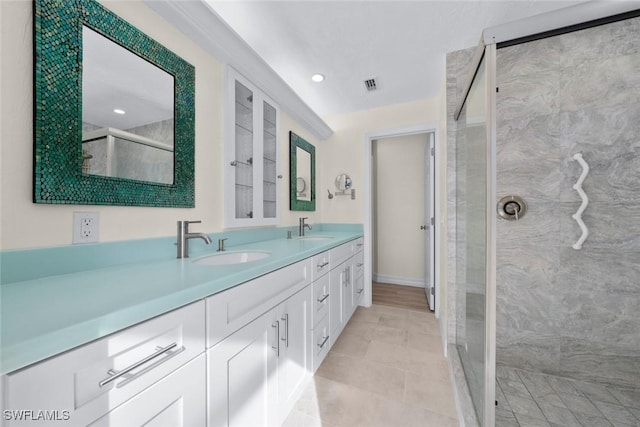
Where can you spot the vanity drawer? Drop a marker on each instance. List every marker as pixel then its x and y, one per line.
pixel 230 310
pixel 321 342
pixel 321 265
pixel 359 244
pixel 340 254
pixel 321 298
pixel 95 378
pixel 358 290
pixel 359 265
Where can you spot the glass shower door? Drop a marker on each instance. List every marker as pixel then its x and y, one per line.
pixel 474 188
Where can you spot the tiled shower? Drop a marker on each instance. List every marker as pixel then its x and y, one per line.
pixel 567 320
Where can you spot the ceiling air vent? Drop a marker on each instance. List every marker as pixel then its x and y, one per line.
pixel 370 84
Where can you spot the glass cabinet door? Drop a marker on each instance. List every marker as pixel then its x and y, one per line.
pixel 243 151
pixel 269 197
pixel 251 155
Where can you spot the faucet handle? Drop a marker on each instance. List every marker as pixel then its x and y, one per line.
pixel 221 244
pixel 194 222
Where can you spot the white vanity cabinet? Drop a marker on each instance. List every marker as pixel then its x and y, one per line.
pixel 259 369
pixel 176 400
pixel 358 284
pixel 140 363
pixel 294 358
pixel 342 286
pixel 321 308
pixel 242 376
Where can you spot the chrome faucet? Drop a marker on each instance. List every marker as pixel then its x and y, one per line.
pixel 302 226
pixel 184 236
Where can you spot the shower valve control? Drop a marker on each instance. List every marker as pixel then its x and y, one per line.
pixel 512 208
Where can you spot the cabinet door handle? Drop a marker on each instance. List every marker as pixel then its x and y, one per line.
pixel 285 318
pixel 323 298
pixel 360 291
pixel 114 375
pixel 277 346
pixel 359 245
pixel 324 341
pixel 323 265
pixel 359 264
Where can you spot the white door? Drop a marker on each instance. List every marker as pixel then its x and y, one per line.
pixel 243 375
pixel 294 364
pixel 337 301
pixel 429 222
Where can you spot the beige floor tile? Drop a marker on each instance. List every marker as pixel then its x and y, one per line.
pixel 351 344
pixel 424 342
pixel 431 394
pixel 299 419
pixel 390 335
pixel 363 329
pixel 376 411
pixel 387 369
pixel 363 314
pixel 363 374
pixel 403 357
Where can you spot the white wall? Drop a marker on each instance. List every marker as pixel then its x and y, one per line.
pixel 399 208
pixel 343 152
pixel 27 225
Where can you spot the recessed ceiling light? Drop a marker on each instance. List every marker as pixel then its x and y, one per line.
pixel 118 111
pixel 317 78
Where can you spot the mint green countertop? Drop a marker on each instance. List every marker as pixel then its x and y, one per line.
pixel 44 316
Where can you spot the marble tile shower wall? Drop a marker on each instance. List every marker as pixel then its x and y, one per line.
pixel 573 313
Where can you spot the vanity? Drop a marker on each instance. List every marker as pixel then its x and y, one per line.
pixel 195 343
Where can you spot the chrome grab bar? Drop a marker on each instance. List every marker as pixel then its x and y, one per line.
pixel 114 375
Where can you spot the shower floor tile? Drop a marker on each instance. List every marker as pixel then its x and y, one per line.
pixel 527 398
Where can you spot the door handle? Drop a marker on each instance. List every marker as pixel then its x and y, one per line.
pixel 285 318
pixel 424 227
pixel 276 347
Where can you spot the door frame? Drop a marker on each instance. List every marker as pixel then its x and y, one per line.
pixel 368 204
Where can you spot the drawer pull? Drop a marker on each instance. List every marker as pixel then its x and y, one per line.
pixel 324 341
pixel 323 299
pixel 359 264
pixel 323 265
pixel 360 244
pixel 360 291
pixel 114 375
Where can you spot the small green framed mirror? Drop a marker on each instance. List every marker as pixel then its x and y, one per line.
pixel 302 178
pixel 113 111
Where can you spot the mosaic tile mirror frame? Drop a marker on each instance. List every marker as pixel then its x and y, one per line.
pixel 58 121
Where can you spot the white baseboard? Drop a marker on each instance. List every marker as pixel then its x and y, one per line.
pixel 398 280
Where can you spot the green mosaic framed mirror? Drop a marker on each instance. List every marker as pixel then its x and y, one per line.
pixel 113 111
pixel 302 177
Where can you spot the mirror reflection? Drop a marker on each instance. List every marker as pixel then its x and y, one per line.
pixel 343 182
pixel 303 170
pixel 127 113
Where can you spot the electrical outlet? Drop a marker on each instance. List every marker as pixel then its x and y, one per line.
pixel 86 226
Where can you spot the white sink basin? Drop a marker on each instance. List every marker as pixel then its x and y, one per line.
pixel 315 237
pixel 231 258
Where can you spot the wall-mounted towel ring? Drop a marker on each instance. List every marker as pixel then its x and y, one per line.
pixel 585 201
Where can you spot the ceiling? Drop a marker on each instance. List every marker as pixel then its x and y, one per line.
pixel 403 44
